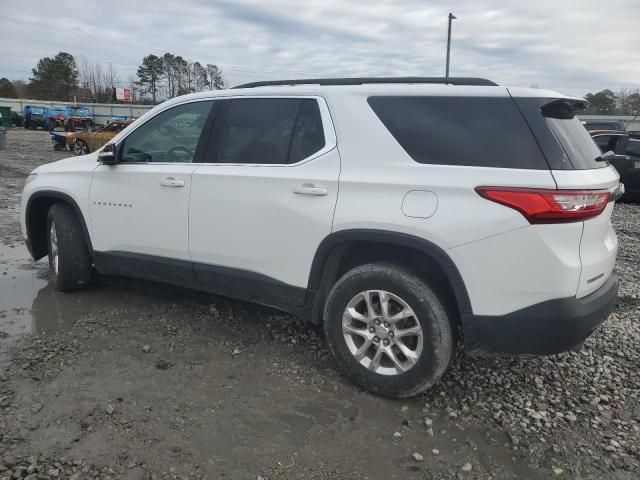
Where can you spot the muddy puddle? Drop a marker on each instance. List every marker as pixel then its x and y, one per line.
pixel 21 282
pixel 30 304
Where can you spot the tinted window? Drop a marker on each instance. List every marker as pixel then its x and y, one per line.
pixel 603 142
pixel 487 132
pixel 171 136
pixel 258 130
pixel 576 142
pixel 606 142
pixel 633 147
pixel 308 134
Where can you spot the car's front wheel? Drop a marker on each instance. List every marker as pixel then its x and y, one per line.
pixel 388 330
pixel 80 148
pixel 69 258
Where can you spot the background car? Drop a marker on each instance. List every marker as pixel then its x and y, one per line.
pixel 626 147
pixel 85 142
pixel 592 125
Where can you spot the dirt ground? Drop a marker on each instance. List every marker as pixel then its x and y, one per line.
pixel 134 380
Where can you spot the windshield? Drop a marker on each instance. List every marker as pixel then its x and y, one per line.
pixel 37 111
pixel 578 145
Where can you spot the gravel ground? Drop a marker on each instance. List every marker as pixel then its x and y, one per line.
pixel 134 380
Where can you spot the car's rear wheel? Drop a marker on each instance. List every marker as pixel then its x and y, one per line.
pixel 69 258
pixel 80 148
pixel 388 330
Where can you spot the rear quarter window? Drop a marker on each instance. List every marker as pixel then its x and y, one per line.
pixel 470 131
pixel 576 142
pixel 566 144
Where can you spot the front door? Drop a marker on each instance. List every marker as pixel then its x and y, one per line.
pixel 265 198
pixel 139 206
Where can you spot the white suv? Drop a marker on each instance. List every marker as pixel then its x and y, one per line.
pixel 402 214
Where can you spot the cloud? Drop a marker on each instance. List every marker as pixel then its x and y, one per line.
pixel 573 46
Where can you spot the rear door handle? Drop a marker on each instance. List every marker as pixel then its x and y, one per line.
pixel 171 182
pixel 309 189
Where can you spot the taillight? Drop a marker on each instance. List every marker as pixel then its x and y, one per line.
pixel 549 206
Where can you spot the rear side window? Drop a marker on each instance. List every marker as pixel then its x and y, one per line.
pixel 308 134
pixel 471 131
pixel 270 131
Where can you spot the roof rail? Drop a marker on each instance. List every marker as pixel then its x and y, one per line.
pixel 368 80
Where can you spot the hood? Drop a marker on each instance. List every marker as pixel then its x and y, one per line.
pixel 71 164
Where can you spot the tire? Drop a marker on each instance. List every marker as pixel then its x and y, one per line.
pixel 424 366
pixel 69 258
pixel 80 148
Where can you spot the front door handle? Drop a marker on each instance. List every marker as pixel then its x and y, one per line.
pixel 171 182
pixel 309 189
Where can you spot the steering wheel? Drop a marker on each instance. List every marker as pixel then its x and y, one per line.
pixel 172 157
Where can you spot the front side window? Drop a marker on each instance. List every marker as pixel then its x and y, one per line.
pixel 170 136
pixel 270 131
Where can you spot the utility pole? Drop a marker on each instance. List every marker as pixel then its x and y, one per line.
pixel 451 18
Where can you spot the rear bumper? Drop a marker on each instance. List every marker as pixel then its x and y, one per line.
pixel 546 328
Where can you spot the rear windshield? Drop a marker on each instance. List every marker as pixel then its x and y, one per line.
pixel 576 143
pixel 471 131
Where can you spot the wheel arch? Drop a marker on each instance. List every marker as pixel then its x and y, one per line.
pixel 36 213
pixel 346 249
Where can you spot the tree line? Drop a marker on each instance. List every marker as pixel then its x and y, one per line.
pixel 171 75
pixel 606 102
pixel 64 77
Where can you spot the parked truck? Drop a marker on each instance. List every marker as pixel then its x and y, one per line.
pixel 55 117
pixel 33 117
pixel 79 117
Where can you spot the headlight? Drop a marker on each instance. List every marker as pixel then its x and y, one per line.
pixel 30 178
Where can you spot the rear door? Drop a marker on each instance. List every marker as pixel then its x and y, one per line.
pixel 264 198
pixel 572 155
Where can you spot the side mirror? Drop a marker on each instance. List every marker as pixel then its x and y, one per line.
pixel 107 155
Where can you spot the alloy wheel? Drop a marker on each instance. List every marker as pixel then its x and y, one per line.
pixel 80 148
pixel 382 332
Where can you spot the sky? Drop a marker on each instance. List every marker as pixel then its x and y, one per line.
pixel 572 46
